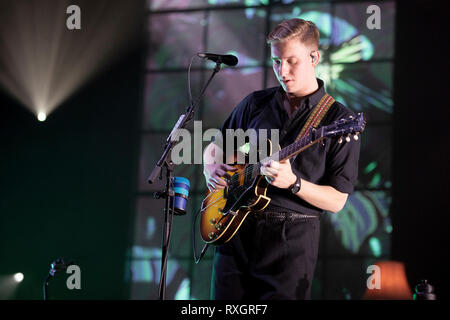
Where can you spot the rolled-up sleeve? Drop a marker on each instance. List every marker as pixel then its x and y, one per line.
pixel 342 165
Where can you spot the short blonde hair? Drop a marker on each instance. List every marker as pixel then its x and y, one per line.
pixel 305 31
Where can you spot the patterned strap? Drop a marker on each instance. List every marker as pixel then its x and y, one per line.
pixel 317 115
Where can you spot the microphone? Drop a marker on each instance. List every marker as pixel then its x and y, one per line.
pixel 228 59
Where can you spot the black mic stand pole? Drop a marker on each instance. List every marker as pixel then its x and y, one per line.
pixel 166 162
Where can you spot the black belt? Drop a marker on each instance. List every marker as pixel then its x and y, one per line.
pixel 287 216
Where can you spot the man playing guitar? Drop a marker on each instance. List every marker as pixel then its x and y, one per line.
pixel 273 254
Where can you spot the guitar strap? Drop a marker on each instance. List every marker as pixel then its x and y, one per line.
pixel 317 115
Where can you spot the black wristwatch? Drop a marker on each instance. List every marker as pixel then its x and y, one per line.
pixel 296 186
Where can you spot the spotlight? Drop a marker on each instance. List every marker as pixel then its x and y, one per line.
pixel 18 277
pixel 41 116
pixel 37 63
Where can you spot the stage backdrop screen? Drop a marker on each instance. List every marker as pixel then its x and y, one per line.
pixel 357 61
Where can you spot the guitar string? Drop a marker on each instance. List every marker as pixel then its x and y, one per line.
pixel 250 171
pixel 209 205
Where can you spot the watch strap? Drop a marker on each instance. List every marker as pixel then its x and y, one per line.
pixel 296 186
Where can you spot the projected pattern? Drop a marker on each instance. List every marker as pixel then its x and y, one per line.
pixel 356 66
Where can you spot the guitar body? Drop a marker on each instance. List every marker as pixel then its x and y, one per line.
pixel 224 211
pixel 219 221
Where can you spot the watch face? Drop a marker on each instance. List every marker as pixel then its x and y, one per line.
pixel 296 188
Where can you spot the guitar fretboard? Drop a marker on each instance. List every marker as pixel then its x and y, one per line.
pixel 253 170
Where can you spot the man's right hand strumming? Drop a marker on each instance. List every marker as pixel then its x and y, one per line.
pixel 215 172
pixel 215 175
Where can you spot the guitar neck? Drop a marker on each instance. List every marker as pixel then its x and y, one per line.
pixel 286 153
pixel 294 148
pixel 340 128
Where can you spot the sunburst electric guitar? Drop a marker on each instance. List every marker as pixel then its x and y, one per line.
pixel 223 211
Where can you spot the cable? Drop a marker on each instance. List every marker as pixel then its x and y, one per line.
pixel 191 100
pixel 194 250
pixel 166 243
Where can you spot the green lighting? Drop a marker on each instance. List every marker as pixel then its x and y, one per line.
pixel 343 86
pixel 349 52
pixel 388 228
pixel 151 227
pixel 376 198
pixel 245 148
pixel 375 181
pixel 346 30
pixel 375 246
pixel 296 11
pixel 255 2
pixel 235 53
pixel 142 271
pixel 184 291
pixel 370 167
pixel 321 19
pixel 367 49
pixel 351 225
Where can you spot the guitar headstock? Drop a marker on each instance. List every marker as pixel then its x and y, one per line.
pixel 344 128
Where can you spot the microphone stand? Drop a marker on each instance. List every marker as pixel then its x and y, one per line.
pixel 166 162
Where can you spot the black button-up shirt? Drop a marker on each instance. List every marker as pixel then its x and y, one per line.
pixel 325 163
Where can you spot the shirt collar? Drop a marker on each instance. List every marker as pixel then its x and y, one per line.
pixel 315 97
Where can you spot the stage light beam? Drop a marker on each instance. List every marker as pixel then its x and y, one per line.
pixel 42 62
pixel 9 284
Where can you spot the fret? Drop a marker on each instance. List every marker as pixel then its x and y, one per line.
pixel 285 153
pixel 291 149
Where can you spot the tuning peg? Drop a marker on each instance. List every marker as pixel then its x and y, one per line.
pixel 355 136
pixel 340 140
pixel 347 138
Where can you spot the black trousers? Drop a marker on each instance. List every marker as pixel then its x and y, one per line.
pixel 270 257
